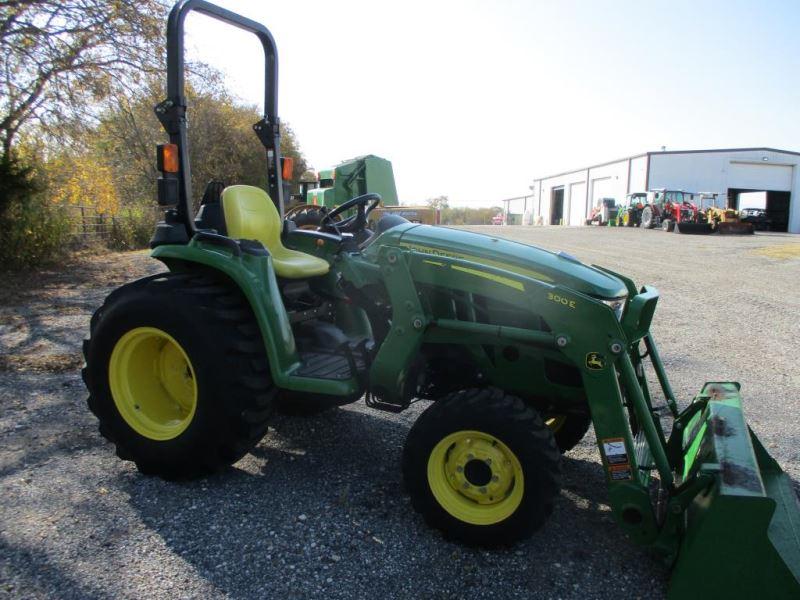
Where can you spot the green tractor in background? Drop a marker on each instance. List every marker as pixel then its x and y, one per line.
pixel 348 179
pixel 517 348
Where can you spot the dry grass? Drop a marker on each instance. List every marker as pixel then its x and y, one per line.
pixel 780 251
pixel 41 363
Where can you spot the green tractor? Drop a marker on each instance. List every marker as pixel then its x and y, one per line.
pixel 517 349
pixel 348 179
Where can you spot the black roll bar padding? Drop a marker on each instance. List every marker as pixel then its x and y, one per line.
pixel 176 101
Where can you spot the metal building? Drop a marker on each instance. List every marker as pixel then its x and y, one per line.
pixel 568 198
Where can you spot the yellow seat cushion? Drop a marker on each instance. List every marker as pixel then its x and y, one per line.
pixel 251 215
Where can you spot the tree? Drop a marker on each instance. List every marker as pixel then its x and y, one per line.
pixel 84 180
pixel 439 202
pixel 58 58
pixel 222 144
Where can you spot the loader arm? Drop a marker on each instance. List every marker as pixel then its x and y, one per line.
pixel 715 481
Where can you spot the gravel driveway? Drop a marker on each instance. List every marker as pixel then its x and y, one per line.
pixel 318 509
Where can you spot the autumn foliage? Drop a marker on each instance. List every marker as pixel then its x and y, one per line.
pixel 78 82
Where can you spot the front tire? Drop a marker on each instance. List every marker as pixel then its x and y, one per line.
pixel 568 429
pixel 482 467
pixel 177 374
pixel 648 218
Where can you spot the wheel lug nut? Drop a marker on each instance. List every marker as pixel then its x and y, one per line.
pixel 488 461
pixel 470 456
pixel 495 478
pixel 460 469
pixel 466 485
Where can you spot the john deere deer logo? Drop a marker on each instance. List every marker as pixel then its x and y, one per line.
pixel 594 361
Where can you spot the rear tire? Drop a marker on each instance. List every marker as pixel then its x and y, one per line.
pixel 210 322
pixel 506 450
pixel 648 219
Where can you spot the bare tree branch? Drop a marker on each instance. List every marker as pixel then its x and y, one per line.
pixel 58 59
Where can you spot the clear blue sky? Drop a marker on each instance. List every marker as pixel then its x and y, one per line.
pixel 475 99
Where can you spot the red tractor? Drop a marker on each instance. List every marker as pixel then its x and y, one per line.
pixel 673 210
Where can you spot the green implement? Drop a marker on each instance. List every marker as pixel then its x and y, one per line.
pixel 744 529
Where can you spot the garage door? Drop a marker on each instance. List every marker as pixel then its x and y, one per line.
pixel 757 176
pixel 577 203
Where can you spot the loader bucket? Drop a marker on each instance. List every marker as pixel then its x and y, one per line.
pixel 742 535
pixel 735 227
pixel 694 228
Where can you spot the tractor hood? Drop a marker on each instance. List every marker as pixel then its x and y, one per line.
pixel 557 269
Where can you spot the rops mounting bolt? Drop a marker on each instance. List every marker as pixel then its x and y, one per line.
pixel 616 347
pixel 392 258
pixel 561 341
pixel 417 323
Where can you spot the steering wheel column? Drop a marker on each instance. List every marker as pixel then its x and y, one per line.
pixel 356 223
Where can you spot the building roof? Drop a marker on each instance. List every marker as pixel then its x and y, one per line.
pixel 611 162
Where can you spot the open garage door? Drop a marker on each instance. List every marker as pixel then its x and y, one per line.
pixel 776 204
pixel 557 206
pixel 577 203
pixel 775 183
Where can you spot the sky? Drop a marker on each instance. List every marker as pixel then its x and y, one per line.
pixel 473 100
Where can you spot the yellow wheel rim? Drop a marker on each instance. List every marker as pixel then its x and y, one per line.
pixel 475 477
pixel 153 383
pixel 556 422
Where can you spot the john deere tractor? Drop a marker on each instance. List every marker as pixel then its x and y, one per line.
pixel 350 178
pixel 516 349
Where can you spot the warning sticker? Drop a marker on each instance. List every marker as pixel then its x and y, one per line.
pixel 614 449
pixel 620 473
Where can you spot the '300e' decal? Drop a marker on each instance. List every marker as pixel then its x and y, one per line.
pixel 561 299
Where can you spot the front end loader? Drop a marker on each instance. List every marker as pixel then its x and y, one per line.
pixel 517 350
pixel 723 220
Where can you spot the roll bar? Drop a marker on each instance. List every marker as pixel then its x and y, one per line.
pixel 172 111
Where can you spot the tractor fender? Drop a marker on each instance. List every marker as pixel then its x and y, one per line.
pixel 255 277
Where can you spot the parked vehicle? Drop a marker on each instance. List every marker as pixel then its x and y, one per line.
pixel 722 220
pixel 604 212
pixel 757 217
pixel 629 213
pixel 673 210
pixel 350 178
pixel 518 349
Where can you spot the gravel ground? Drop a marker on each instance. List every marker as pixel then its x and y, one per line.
pixel 318 509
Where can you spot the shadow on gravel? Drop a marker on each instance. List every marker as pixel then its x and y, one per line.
pixel 319 508
pixel 41 430
pixel 36 575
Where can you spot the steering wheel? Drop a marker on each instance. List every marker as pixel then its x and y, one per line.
pixel 364 205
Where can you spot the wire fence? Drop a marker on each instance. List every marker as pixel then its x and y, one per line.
pixel 87 225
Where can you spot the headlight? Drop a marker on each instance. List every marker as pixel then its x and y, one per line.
pixel 616 304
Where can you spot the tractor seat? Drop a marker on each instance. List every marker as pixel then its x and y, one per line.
pixel 251 215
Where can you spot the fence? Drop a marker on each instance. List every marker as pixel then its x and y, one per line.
pixel 127 228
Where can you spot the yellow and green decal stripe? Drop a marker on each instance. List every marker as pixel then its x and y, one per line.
pixel 480 261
